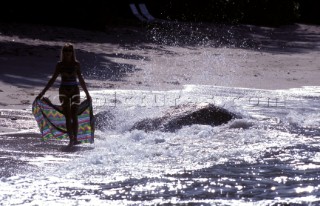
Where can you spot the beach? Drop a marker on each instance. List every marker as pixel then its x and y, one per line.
pixel 141 58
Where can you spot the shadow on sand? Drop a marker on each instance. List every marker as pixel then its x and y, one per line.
pixel 98 64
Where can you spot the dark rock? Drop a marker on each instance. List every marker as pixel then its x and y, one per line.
pixel 183 115
pixel 104 120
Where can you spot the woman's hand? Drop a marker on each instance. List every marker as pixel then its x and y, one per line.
pixel 89 98
pixel 40 95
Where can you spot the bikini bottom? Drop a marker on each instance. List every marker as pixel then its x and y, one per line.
pixel 69 95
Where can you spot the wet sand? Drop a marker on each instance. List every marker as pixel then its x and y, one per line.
pixel 22 153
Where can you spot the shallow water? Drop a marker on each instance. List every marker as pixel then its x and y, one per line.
pixel 270 156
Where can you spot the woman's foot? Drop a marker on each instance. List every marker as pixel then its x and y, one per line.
pixel 76 142
pixel 71 143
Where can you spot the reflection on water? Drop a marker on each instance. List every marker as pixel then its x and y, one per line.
pixel 270 156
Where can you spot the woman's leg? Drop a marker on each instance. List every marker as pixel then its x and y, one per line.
pixel 75 101
pixel 66 108
pixel 74 117
pixel 68 116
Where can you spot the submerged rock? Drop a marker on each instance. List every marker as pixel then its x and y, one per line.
pixel 183 115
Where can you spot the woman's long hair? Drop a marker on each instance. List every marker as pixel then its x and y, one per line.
pixel 68 46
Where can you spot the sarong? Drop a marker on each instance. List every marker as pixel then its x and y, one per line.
pixel 52 122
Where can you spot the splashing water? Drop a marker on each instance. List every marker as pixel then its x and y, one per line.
pixel 270 155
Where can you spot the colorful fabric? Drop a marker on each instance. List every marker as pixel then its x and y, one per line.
pixel 52 123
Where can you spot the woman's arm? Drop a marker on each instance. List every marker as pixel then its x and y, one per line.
pixel 50 82
pixel 82 82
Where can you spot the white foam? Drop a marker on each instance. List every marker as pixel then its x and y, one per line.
pixel 120 154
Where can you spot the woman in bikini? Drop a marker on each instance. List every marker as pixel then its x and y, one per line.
pixel 69 94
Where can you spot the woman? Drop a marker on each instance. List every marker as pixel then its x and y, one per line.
pixel 69 94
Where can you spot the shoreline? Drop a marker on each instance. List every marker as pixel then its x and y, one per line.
pixel 136 58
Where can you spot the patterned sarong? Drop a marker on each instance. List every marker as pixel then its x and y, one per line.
pixel 52 123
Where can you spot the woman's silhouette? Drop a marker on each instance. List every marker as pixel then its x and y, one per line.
pixel 69 94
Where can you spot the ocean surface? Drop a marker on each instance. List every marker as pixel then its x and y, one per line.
pixel 269 156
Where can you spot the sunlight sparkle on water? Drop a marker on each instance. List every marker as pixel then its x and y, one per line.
pixel 270 153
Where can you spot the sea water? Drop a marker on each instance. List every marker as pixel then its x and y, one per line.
pixel 269 156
